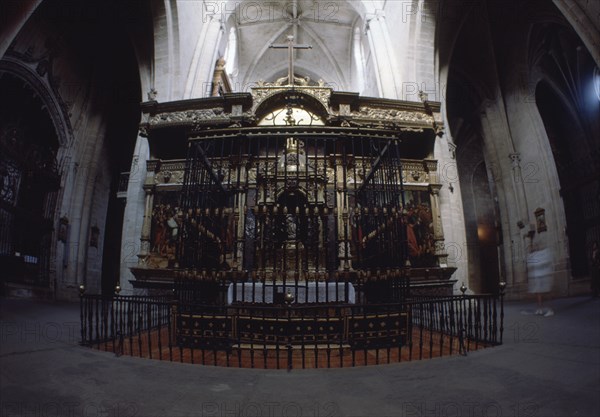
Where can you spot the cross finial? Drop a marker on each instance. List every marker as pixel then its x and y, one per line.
pixel 290 46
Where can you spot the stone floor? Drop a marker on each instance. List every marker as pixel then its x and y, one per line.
pixel 547 366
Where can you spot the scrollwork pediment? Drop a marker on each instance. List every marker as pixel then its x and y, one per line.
pixel 392 115
pixel 188 116
pixel 267 90
pixel 370 113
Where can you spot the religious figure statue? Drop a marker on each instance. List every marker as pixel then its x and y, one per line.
pixel 290 222
pixel 302 81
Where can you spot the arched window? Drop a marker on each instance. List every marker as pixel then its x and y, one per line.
pixel 291 116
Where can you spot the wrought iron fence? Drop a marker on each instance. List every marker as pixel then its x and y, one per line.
pixel 243 287
pixel 291 336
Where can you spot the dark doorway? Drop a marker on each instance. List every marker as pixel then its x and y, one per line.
pixel 29 182
pixel 579 183
pixel 481 214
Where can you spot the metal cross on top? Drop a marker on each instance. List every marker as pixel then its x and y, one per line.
pixel 290 46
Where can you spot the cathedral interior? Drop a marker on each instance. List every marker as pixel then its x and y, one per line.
pixel 407 189
pixel 354 143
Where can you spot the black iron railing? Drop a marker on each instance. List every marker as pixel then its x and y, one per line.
pixel 291 335
pixel 284 206
pixel 116 321
pixel 343 287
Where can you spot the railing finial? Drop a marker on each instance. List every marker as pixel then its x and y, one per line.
pixel 502 286
pixel 288 298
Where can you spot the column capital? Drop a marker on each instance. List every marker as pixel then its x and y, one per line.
pixel 452 148
pixel 435 188
pixel 152 94
pixel 379 14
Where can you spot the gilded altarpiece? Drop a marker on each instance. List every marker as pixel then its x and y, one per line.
pixel 301 184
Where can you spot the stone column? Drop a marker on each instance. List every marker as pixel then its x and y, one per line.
pixel 205 56
pixel 239 219
pixel 580 16
pixel 339 195
pixel 438 231
pixel 240 207
pixel 146 228
pixel 133 217
pixel 519 251
pixel 434 189
pixel 510 191
pixel 382 50
pixel 515 159
pixel 15 15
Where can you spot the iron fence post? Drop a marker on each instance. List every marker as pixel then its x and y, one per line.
pixel 502 289
pixel 81 296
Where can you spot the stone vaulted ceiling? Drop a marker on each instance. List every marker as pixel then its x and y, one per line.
pixel 327 26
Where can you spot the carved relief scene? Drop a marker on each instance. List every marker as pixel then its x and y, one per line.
pixel 166 223
pixel 419 228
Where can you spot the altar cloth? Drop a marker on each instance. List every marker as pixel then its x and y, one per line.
pixel 304 293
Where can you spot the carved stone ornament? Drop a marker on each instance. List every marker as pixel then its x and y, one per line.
pixel 152 93
pixel 187 117
pixel 452 148
pixel 252 174
pixel 169 177
pixel 540 220
pixel 414 172
pixel 393 115
pixel 266 90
